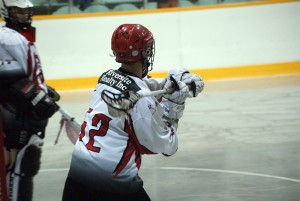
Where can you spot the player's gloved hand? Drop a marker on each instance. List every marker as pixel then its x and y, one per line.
pixel 174 101
pixel 42 105
pixel 194 81
pixel 172 110
pixel 24 95
pixel 177 90
pixel 53 94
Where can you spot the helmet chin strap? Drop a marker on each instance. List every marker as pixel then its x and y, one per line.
pixel 145 72
pixel 145 67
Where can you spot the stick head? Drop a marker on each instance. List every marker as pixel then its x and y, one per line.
pixel 118 103
pixel 72 130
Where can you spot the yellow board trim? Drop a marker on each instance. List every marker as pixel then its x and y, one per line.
pixel 207 74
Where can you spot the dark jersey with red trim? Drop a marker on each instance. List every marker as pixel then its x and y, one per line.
pixel 107 155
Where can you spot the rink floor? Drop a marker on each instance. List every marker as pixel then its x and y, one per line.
pixel 238 141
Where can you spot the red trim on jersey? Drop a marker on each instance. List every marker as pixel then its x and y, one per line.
pixel 138 160
pixel 128 152
pixel 37 76
pixel 29 60
pixel 133 146
pixel 34 68
pixel 29 34
pixel 130 130
pixel 27 86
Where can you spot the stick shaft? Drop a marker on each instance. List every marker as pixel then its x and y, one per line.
pixel 69 117
pixel 72 127
pixel 152 93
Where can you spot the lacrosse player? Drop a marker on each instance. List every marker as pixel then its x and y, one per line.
pixel 26 102
pixel 107 156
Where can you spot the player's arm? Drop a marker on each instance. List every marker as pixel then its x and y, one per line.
pixel 194 81
pixel 16 50
pixel 10 71
pixel 155 84
pixel 13 58
pixel 154 132
pixel 187 85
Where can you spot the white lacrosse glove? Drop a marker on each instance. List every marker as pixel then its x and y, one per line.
pixel 174 101
pixel 172 110
pixel 177 91
pixel 194 81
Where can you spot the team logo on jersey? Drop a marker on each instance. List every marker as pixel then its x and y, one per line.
pixel 119 81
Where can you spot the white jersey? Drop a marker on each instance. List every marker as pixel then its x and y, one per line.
pixel 17 53
pixel 108 153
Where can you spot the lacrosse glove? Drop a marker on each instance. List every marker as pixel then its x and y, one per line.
pixel 174 101
pixel 194 81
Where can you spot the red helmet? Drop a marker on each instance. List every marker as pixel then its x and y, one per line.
pixel 132 43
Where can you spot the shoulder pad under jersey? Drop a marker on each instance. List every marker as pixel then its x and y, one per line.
pixel 11 37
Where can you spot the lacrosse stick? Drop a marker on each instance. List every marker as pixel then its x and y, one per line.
pixel 126 100
pixel 72 126
pixel 122 102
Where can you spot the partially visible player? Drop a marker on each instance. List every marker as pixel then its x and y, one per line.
pixel 107 156
pixel 26 102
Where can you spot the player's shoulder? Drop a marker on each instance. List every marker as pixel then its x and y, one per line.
pixel 10 37
pixel 120 80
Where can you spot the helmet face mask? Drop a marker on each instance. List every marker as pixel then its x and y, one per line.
pixel 20 16
pixel 148 58
pixel 133 43
pixel 17 13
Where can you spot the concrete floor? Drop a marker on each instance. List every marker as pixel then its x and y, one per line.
pixel 239 141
